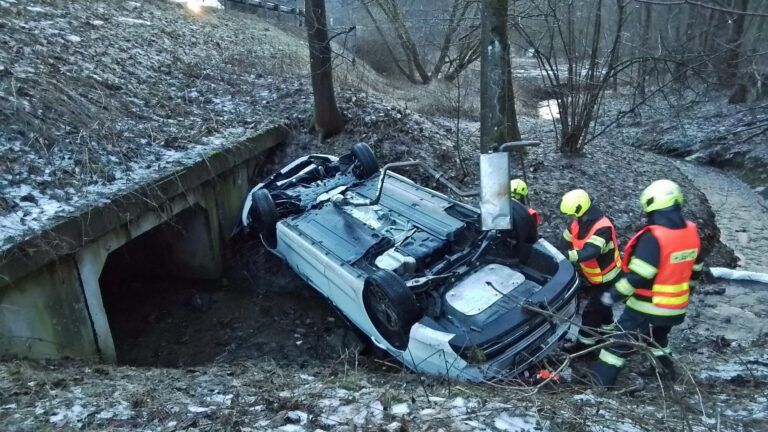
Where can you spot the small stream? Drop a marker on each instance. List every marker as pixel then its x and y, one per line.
pixel 740 213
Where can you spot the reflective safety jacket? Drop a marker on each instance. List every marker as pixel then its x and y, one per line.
pixel 535 215
pixel 595 274
pixel 678 250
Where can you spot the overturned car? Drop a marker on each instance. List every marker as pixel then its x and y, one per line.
pixel 412 268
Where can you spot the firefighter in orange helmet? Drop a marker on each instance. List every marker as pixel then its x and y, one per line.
pixel 519 191
pixel 591 238
pixel 660 265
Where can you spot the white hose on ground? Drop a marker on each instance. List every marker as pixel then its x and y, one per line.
pixel 726 273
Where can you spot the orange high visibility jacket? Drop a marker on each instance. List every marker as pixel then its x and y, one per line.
pixel 594 274
pixel 535 215
pixel 671 287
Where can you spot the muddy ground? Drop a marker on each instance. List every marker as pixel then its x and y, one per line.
pixel 267 354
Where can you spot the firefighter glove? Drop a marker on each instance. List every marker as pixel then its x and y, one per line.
pixel 607 299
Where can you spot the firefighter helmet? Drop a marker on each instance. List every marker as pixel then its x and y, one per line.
pixel 661 194
pixel 575 202
pixel 518 189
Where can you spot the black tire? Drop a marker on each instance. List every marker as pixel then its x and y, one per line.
pixel 391 306
pixel 264 215
pixel 366 161
pixel 524 226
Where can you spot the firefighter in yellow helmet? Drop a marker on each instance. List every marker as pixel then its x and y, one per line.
pixel 591 242
pixel 660 265
pixel 519 191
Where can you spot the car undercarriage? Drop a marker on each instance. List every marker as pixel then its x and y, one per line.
pixel 413 269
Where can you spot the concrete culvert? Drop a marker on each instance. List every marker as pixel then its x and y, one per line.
pixel 157 290
pixel 164 311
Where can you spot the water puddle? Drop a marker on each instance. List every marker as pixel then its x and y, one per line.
pixel 548 110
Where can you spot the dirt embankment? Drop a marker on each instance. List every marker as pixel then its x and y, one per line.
pixel 98 97
pixel 713 132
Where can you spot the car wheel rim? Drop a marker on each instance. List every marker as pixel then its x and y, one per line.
pixel 383 309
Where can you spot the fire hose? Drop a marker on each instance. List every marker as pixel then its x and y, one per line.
pixel 731 274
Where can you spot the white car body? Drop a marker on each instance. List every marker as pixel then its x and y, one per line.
pixel 314 245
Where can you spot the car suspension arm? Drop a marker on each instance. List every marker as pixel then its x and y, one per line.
pixel 438 176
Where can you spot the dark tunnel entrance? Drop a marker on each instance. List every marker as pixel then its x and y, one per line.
pixel 164 311
pixel 156 288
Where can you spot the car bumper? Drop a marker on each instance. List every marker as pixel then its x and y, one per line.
pixel 430 352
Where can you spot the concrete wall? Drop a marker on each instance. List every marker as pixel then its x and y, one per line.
pixel 56 309
pixel 44 314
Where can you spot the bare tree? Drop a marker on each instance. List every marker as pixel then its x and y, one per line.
pixel 644 63
pixel 327 119
pixel 574 59
pixel 498 119
pixel 735 43
pixel 456 52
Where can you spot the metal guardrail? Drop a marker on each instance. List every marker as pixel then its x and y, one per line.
pixel 270 6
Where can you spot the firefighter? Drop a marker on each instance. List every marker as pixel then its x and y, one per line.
pixel 660 265
pixel 519 191
pixel 591 238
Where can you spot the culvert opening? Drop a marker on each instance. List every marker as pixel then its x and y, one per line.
pixel 159 316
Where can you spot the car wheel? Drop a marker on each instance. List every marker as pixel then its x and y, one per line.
pixel 524 225
pixel 366 161
pixel 264 214
pixel 391 306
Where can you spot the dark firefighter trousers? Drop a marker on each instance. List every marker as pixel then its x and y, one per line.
pixel 596 317
pixel 633 327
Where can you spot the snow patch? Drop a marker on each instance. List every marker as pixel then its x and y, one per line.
pixel 128 20
pixel 400 409
pixel 197 409
pixel 507 422
pixel 747 367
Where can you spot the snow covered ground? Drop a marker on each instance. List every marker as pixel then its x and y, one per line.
pixel 101 97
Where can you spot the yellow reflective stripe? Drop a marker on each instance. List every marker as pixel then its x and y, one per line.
pixel 597 241
pixel 698 267
pixel 642 268
pixel 597 278
pixel 611 359
pixel 567 235
pixel 608 247
pixel 573 256
pixel 658 300
pixel 660 352
pixel 590 269
pixel 587 340
pixel 608 327
pixel 671 288
pixel 650 309
pixel 611 274
pixel 624 287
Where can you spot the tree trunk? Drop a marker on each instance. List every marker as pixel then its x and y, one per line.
pixel 498 120
pixel 453 25
pixel 735 42
pixel 328 120
pixel 645 46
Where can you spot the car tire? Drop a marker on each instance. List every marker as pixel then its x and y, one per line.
pixel 264 215
pixel 391 306
pixel 524 226
pixel 366 161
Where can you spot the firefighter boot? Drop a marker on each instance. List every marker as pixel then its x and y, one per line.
pixel 575 347
pixel 669 367
pixel 604 375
